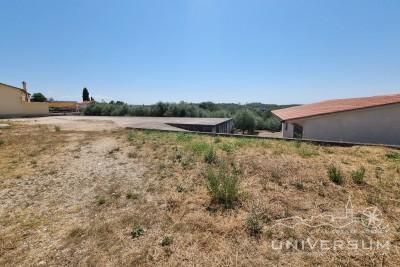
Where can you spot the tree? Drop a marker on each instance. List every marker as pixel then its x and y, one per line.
pixel 38 97
pixel 85 95
pixel 245 121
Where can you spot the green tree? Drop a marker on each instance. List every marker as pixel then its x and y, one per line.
pixel 38 97
pixel 85 94
pixel 245 121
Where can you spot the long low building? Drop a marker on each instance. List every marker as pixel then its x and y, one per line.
pixel 374 120
pixel 99 123
pixel 15 102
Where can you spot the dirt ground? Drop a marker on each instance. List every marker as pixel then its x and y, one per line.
pixel 139 198
pixel 101 123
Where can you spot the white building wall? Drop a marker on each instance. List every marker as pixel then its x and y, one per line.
pixel 378 125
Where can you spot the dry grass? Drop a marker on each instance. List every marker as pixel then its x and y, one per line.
pixel 76 198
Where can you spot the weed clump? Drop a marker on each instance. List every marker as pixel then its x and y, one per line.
pixel 180 189
pixel 183 137
pixel 358 175
pixel 131 195
pixel 131 136
pixel 254 225
pixel 393 155
pixel 210 157
pixel 100 201
pixel 223 186
pixel 299 185
pixel 217 140
pixel 166 241
pixel 335 174
pixel 57 128
pixel 2 142
pixel 227 147
pixel 137 231
pixel 198 147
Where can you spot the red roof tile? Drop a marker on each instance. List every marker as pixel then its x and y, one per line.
pixel 334 106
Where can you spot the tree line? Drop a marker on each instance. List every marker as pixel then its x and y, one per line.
pixel 249 117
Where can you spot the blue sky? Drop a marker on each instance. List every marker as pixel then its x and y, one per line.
pixel 198 50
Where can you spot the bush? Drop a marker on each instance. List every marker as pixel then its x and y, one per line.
pixel 223 186
pixel 245 121
pixel 57 128
pixel 358 175
pixel 137 231
pixel 254 225
pixel 210 156
pixel 335 174
pixel 2 142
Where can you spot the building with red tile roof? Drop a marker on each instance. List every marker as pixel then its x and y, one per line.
pixel 361 120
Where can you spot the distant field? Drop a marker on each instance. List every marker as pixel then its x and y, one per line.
pixel 145 198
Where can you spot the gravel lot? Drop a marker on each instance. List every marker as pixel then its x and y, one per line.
pixel 100 123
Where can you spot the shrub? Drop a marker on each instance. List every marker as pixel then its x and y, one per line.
pixel 137 231
pixel 131 136
pixel 228 148
pixel 335 174
pixel 358 175
pixel 393 155
pixel 210 156
pixel 166 241
pixel 254 225
pixel 198 147
pixel 2 142
pixel 57 128
pixel 223 186
pixel 101 201
pixel 184 137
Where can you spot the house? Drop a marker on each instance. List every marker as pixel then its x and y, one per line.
pixel 374 120
pixel 15 102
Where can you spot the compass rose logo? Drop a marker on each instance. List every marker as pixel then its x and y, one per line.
pixel 371 219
